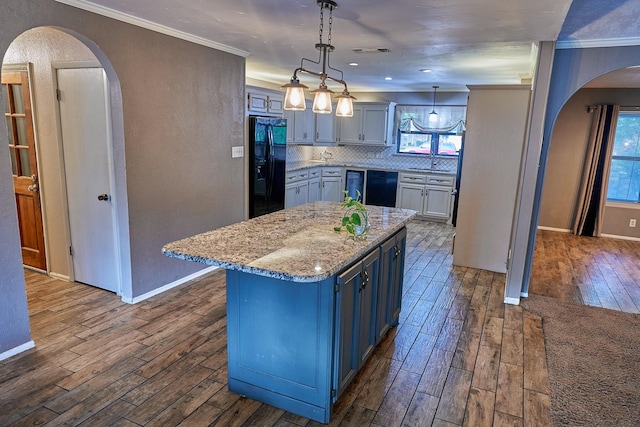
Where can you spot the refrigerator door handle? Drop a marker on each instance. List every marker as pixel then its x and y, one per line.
pixel 270 162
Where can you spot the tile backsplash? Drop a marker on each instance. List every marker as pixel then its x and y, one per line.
pixel 369 156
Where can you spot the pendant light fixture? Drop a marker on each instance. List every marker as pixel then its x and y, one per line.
pixel 433 116
pixel 294 95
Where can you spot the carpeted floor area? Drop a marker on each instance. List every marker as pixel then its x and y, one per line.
pixel 593 357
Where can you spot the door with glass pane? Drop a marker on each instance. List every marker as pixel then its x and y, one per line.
pixel 17 102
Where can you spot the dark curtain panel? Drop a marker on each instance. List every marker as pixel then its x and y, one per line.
pixel 593 194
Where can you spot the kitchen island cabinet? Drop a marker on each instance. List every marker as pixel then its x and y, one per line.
pixel 304 309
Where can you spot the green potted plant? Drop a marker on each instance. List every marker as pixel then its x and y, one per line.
pixel 356 217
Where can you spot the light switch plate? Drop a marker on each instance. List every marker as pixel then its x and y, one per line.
pixel 237 152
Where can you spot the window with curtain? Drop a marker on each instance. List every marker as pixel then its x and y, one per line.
pixel 624 175
pixel 422 133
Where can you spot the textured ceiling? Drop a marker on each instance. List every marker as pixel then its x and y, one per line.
pixel 462 41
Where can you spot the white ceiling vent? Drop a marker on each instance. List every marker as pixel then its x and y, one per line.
pixel 371 50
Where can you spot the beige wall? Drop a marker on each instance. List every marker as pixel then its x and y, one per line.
pixel 565 163
pixel 496 124
pixel 178 110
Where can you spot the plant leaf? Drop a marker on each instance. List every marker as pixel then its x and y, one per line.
pixel 355 219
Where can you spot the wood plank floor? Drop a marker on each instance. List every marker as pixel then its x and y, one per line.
pixel 600 272
pixel 459 356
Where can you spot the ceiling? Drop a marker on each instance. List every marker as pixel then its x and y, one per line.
pixel 461 41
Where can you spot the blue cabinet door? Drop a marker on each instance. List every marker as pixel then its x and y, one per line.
pixel 397 277
pixel 367 296
pixel 346 360
pixel 356 304
pixel 390 283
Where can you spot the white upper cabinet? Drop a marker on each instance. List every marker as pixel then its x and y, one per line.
pixel 300 126
pixel 371 124
pixel 263 102
pixel 325 129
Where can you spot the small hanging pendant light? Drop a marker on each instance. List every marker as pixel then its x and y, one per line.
pixel 433 116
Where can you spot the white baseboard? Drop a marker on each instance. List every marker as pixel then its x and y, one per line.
pixel 60 276
pixel 512 301
pixel 614 236
pixel 19 349
pixel 559 230
pixel 169 286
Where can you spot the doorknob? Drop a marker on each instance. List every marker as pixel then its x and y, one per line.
pixel 34 186
pixel 103 197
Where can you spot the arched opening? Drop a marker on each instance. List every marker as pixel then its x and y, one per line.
pixel 561 258
pixel 43 52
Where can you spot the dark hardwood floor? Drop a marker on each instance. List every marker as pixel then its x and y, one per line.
pixel 459 356
pixel 600 272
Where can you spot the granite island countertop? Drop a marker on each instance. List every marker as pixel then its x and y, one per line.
pixel 297 244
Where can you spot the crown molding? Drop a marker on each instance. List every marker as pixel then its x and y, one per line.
pixel 139 22
pixel 583 44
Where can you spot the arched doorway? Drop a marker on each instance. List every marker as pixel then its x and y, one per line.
pixel 46 49
pixel 567 269
pixel 572 69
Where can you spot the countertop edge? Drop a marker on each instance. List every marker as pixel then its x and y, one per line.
pixel 371 245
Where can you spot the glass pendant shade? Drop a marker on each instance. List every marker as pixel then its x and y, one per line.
pixel 322 101
pixel 344 108
pixel 294 96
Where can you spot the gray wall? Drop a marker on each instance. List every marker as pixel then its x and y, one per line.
pixel 13 299
pixel 566 160
pixel 182 110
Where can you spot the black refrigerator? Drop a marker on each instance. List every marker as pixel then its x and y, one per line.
pixel 267 164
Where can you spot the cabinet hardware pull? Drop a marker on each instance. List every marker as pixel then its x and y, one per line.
pixel 366 279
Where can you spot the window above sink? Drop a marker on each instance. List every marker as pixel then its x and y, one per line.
pixel 417 134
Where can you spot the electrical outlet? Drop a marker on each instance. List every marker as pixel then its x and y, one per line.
pixel 237 152
pixel 632 223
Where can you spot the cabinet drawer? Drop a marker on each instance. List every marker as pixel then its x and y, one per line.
pixel 314 173
pixel 331 171
pixel 297 175
pixel 413 178
pixel 440 180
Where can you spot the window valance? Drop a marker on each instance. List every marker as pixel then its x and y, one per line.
pixel 415 118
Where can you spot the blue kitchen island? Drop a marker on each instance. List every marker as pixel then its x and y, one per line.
pixel 306 305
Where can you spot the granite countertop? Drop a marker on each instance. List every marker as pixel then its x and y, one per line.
pixel 305 164
pixel 297 244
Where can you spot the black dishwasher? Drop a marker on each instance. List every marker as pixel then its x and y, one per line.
pixel 381 188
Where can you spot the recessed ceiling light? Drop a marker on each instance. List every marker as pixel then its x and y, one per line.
pixel 388 78
pixel 353 64
pixel 426 70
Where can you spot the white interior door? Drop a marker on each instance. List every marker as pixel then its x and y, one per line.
pixel 86 140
